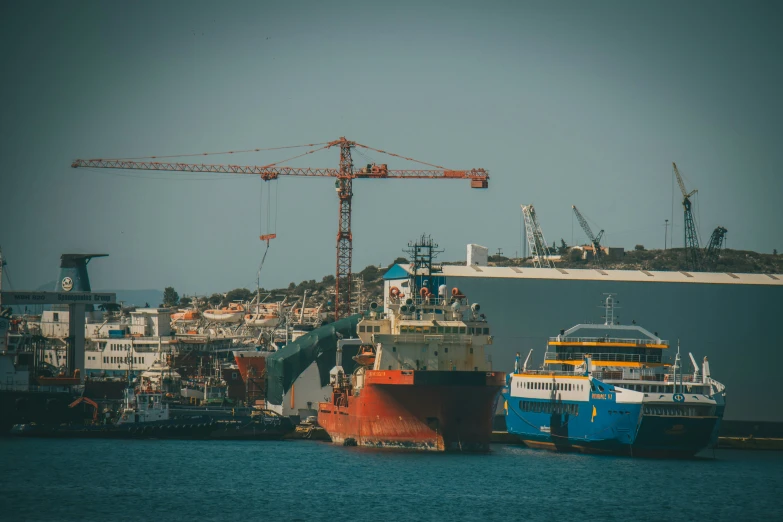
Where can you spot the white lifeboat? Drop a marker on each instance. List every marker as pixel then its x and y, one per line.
pixel 233 313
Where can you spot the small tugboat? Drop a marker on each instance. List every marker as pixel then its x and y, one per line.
pixel 614 393
pixel 143 416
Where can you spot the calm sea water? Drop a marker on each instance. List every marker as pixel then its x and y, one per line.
pixel 90 480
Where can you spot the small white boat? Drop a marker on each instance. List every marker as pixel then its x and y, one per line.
pixel 262 319
pixel 233 313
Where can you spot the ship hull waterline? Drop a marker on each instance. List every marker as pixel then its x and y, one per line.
pixel 419 410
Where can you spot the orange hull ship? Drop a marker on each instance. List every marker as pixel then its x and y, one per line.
pixel 431 410
pixel 423 379
pixel 252 368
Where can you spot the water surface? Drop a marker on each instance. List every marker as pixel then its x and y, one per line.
pixel 99 480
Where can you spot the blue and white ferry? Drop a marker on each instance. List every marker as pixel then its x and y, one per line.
pixel 613 392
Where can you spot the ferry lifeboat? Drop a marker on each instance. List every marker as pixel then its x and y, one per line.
pixel 264 316
pixel 233 313
pixel 186 315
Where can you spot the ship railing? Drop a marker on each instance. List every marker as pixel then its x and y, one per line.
pixel 603 357
pixel 665 378
pixel 428 338
pixel 639 342
pixel 550 372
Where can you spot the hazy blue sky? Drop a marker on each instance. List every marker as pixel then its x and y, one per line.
pixel 584 103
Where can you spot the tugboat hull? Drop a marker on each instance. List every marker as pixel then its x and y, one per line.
pixel 163 430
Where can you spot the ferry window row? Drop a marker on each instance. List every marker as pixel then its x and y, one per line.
pixel 443 330
pixel 370 328
pixel 654 388
pixel 112 360
pixel 119 347
pixel 681 411
pixel 548 407
pixel 561 386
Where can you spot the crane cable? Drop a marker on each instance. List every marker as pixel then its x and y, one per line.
pixel 224 152
pixel 399 156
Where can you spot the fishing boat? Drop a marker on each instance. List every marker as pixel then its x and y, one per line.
pixel 608 388
pixel 424 380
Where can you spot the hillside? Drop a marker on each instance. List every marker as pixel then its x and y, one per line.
pixel 322 292
pixel 735 261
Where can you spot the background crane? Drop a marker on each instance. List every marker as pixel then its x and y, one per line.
pixel 535 238
pixel 714 246
pixel 344 174
pixel 692 250
pixel 595 240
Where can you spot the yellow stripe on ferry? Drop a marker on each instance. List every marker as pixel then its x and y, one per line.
pixel 606 363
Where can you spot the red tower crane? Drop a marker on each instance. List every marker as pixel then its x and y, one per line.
pixel 344 174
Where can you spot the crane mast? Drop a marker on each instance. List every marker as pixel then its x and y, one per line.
pixel 692 249
pixel 342 289
pixel 535 238
pixel 344 174
pixel 595 240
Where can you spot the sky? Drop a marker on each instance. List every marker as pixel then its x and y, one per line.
pixel 565 103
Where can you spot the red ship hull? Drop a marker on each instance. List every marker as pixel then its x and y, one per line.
pixel 253 364
pixel 252 369
pixel 429 410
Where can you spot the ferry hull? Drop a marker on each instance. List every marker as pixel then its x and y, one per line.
pixel 423 410
pixel 654 436
pixel 665 436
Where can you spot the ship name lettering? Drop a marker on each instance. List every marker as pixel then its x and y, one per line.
pixel 599 396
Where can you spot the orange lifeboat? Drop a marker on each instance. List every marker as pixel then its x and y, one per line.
pixel 366 355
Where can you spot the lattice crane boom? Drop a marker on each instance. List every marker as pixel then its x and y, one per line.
pixel 272 173
pixel 535 238
pixel 595 240
pixel 344 174
pixel 714 246
pixel 692 250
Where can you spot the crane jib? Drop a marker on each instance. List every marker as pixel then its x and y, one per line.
pixel 479 178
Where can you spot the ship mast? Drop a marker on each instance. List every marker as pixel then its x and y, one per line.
pixel 421 253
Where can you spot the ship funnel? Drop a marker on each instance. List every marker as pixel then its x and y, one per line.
pixel 73 273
